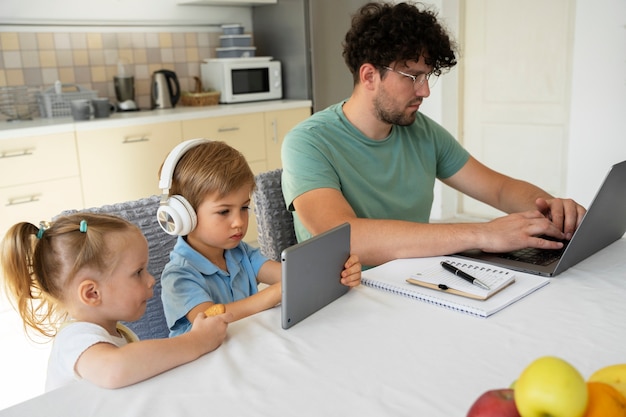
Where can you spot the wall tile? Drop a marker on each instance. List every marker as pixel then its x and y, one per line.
pixel 48 59
pixel 96 57
pixel 138 40
pixel 109 40
pixel 165 40
pixel 140 56
pixel 80 57
pixel 67 75
pixel 62 41
pixel 152 40
pixel 28 41
pixel 9 41
pixel 78 40
pixel 32 76
pixel 49 76
pixel 30 59
pixel 12 59
pixel 94 41
pixel 15 77
pixel 90 59
pixel 98 74
pixel 45 41
pixel 65 58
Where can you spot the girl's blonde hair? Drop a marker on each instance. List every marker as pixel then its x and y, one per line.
pixel 207 168
pixel 38 263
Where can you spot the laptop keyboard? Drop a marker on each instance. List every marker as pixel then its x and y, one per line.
pixel 541 257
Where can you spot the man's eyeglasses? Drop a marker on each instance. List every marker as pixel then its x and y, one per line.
pixel 418 80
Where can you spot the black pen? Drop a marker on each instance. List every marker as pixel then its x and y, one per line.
pixel 467 277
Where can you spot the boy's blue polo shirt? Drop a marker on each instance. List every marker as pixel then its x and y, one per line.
pixel 190 279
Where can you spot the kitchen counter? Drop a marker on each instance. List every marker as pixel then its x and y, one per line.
pixel 67 124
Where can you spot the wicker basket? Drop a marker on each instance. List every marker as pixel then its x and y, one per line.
pixel 206 98
pixel 52 104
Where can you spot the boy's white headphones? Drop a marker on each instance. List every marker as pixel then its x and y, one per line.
pixel 175 214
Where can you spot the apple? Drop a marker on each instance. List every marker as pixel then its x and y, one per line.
pixel 551 387
pixel 494 403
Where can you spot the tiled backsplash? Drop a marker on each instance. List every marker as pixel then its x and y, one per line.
pixel 89 59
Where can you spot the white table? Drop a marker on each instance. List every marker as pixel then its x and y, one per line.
pixel 373 353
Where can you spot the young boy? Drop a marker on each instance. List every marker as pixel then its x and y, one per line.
pixel 211 264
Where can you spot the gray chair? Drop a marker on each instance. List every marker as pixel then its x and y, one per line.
pixel 275 222
pixel 142 212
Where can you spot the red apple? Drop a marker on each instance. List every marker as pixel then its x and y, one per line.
pixel 494 403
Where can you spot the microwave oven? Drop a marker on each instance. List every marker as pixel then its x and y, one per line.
pixel 243 79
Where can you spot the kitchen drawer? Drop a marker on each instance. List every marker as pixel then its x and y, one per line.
pixel 39 158
pixel 39 201
pixel 245 133
pixel 122 164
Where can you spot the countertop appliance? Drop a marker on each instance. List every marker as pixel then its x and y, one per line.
pixel 243 79
pixel 306 36
pixel 125 92
pixel 165 89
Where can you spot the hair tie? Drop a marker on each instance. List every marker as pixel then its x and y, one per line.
pixel 43 226
pixel 83 226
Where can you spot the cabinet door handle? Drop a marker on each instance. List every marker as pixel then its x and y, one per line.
pixel 136 139
pixel 13 154
pixel 23 200
pixel 275 131
pixel 227 129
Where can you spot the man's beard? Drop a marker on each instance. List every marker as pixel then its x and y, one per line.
pixel 385 112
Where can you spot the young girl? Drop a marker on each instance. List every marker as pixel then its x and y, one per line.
pixel 89 272
pixel 211 264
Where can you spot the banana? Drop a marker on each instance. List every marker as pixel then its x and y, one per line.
pixel 614 375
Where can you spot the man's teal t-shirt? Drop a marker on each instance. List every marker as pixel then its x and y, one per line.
pixel 391 178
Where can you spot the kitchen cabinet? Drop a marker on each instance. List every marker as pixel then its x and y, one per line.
pixel 225 2
pixel 108 161
pixel 277 124
pixel 257 135
pixel 39 178
pixel 244 133
pixel 122 164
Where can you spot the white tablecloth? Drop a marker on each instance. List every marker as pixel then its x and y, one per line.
pixel 373 353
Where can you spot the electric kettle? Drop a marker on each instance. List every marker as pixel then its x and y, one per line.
pixel 165 89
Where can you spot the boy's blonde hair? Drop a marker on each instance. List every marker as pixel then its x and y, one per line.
pixel 39 263
pixel 208 168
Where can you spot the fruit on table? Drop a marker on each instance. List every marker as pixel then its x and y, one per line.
pixel 494 403
pixel 604 401
pixel 551 387
pixel 614 375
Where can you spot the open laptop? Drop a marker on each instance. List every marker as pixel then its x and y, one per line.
pixel 603 224
pixel 311 273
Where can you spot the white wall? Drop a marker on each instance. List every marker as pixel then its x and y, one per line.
pixel 597 127
pixel 597 136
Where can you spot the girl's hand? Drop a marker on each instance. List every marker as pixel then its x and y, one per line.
pixel 351 275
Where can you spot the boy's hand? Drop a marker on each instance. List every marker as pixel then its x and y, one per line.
pixel 351 274
pixel 211 330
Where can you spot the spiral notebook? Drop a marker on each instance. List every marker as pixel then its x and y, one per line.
pixel 437 278
pixel 392 277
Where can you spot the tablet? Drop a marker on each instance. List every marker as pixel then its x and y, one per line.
pixel 311 273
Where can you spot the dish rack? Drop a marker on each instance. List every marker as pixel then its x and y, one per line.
pixel 18 103
pixel 53 104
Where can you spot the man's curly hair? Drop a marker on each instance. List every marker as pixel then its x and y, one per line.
pixel 383 33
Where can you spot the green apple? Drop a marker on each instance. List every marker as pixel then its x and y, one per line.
pixel 551 387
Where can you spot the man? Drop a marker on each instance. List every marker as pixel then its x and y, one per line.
pixel 373 159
